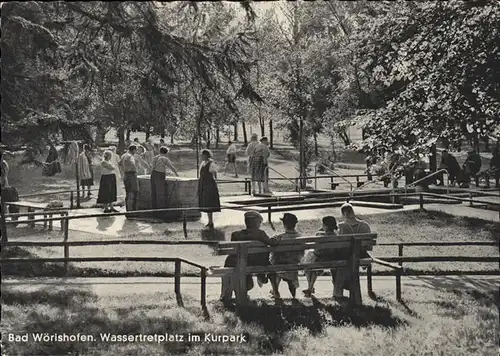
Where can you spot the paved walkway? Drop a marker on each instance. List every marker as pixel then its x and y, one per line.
pixel 190 286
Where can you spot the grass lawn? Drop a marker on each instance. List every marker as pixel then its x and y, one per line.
pixel 408 226
pixel 431 322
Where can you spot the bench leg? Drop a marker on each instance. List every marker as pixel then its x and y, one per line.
pixel 227 288
pixel 355 292
pixel 45 222
pixel 369 281
pixel 51 225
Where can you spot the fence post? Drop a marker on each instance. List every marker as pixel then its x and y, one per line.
pixel 398 284
pixel 77 186
pixel 203 288
pixel 71 200
pixel 369 281
pixel 177 286
pixel 400 253
pixel 269 214
pixel 421 200
pixel 470 197
pixel 184 223
pixel 66 247
pixel 4 225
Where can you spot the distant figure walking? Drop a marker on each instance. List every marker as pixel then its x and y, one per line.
pixel 4 169
pixel 127 163
pixel 107 186
pixel 254 141
pixel 471 168
pixel 85 169
pixel 260 166
pixel 231 158
pixel 208 193
pixel 159 170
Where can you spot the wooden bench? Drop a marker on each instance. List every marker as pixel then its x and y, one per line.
pixel 32 207
pixel 355 243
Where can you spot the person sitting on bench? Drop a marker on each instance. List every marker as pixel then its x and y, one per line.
pixel 449 163
pixel 252 232
pixel 494 170
pixel 351 226
pixel 285 258
pixel 320 255
pixel 470 169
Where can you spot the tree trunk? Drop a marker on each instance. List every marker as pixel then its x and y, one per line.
pixel 148 132
pixel 271 134
pixel 345 137
pixel 121 139
pixel 235 131
pixel 217 137
pixel 433 159
pixel 128 134
pixel 245 138
pixel 316 152
pixel 208 139
pixel 172 139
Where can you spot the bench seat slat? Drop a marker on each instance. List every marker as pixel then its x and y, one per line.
pixel 221 271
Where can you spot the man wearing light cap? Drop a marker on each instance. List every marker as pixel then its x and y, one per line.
pixel 285 258
pixel 252 232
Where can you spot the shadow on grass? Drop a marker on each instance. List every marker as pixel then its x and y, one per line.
pixel 277 319
pixel 74 311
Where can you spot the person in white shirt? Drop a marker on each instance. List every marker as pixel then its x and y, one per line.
pixel 115 161
pixel 231 158
pixel 128 165
pixel 260 166
pixel 107 185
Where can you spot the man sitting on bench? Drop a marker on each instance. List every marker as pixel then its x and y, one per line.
pixel 252 232
pixel 351 226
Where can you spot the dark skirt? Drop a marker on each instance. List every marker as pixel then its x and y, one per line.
pixel 158 189
pixel 208 194
pixel 107 189
pixel 258 169
pixel 231 158
pixel 87 182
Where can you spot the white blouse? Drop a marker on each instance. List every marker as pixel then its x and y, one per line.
pixel 107 168
pixel 213 167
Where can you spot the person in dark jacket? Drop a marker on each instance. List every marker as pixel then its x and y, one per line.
pixel 252 232
pixel 471 167
pixel 494 170
pixel 52 165
pixel 449 163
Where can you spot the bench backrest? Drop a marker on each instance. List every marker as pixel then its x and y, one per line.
pixel 366 242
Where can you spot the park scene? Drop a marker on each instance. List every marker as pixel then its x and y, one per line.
pixel 250 178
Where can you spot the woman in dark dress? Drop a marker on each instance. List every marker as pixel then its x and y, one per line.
pixel 208 193
pixel 107 186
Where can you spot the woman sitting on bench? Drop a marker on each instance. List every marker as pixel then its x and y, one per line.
pixel 320 255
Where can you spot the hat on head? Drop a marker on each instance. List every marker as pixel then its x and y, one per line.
pixel 252 214
pixel 330 221
pixel 291 218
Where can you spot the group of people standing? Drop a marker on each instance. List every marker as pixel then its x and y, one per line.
pixel 252 232
pixel 258 164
